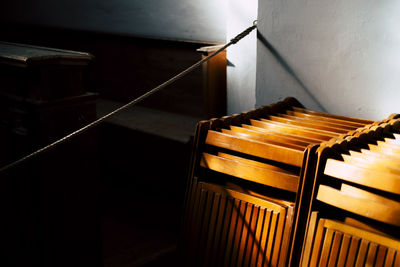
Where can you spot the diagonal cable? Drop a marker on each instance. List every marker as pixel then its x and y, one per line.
pixel 131 103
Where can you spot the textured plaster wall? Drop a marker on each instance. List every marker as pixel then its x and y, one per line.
pixel 173 19
pixel 241 70
pixel 336 55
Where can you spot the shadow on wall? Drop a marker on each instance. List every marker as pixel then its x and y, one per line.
pixel 287 68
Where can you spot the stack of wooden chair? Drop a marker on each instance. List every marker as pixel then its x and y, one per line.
pixel 253 183
pixel 354 214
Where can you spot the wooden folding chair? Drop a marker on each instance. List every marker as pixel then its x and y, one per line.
pixel 355 201
pixel 251 164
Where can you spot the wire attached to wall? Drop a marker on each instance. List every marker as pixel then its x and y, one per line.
pixel 131 103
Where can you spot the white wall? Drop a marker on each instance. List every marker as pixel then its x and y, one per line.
pixel 193 20
pixel 339 55
pixel 241 70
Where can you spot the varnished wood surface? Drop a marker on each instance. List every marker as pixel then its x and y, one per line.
pixel 362 162
pixel 260 149
pixel 281 139
pixel 337 244
pixel 23 55
pixel 237 229
pixel 214 82
pixel 342 122
pixel 240 146
pixel 294 129
pixel 285 139
pixel 308 124
pixel 328 115
pixel 361 193
pixel 363 176
pixel 366 168
pixel 374 159
pixel 317 121
pixel 258 174
pixel 262 139
pixel 282 134
pixel 375 208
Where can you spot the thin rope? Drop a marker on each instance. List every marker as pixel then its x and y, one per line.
pixel 131 103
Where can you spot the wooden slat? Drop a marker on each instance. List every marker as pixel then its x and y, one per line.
pixel 287 239
pixel 268 151
pixel 363 176
pixel 263 215
pixel 397 258
pixel 392 140
pixel 355 161
pixel 249 172
pixel 306 253
pixel 344 248
pixel 262 202
pixel 326 247
pixel 358 223
pixel 333 257
pixel 362 253
pixel 391 145
pixel 351 256
pixel 276 249
pixel 256 163
pixel 292 129
pixel 330 120
pixel 317 244
pixel 262 139
pixel 205 226
pixel 361 206
pixel 320 122
pixel 373 247
pixel 307 124
pixel 284 203
pixel 245 234
pixel 240 230
pixel 301 125
pixel 380 257
pixel 212 229
pixel 375 165
pixel 251 239
pixel 390 257
pixel 264 237
pixel 275 137
pixel 360 193
pixel 387 150
pixel 307 111
pixel 222 217
pixel 281 133
pixel 230 218
pixel 232 231
pixel 376 159
pixel 377 154
pixel 271 238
